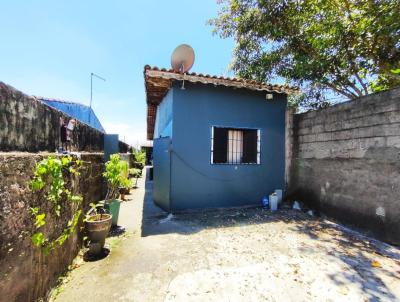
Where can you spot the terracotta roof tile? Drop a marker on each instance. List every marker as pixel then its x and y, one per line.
pixel 159 80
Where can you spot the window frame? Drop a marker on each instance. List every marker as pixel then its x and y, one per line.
pixel 258 155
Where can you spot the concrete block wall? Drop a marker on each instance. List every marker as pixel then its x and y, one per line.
pixel 345 162
pixel 26 274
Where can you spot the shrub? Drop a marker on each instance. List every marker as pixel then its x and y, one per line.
pixel 116 175
pixel 49 181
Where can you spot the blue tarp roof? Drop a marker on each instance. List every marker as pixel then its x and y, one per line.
pixel 81 112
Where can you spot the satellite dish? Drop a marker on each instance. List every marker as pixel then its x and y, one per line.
pixel 182 58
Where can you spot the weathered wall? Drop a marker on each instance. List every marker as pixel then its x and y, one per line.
pixel 26 274
pixel 26 124
pixel 346 162
pixel 289 117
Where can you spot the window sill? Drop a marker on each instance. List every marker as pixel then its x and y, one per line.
pixel 238 164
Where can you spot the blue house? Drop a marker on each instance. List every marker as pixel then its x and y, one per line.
pixel 82 113
pixel 218 142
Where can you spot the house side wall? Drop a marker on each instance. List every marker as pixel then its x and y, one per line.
pixel 163 124
pixel 195 182
pixel 161 155
pixel 162 172
pixel 346 162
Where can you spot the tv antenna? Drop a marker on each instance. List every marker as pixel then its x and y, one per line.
pixel 91 91
pixel 182 60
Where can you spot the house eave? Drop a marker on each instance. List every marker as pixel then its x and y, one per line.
pixel 159 81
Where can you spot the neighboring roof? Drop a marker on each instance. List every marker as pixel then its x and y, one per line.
pixel 76 110
pixel 158 82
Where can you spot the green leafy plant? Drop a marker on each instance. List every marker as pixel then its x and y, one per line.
pixel 140 161
pixel 116 175
pixel 135 173
pixel 386 81
pixel 140 156
pixel 95 209
pixel 49 180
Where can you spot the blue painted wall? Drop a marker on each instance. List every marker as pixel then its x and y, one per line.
pixel 162 172
pixel 111 145
pixel 194 181
pixel 163 125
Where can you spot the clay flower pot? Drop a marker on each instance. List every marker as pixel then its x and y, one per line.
pixel 97 227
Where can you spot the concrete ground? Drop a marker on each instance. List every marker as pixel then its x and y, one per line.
pixel 233 255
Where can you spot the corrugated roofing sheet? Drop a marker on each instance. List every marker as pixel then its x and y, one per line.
pixel 81 112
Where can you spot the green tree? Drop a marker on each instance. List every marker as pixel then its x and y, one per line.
pixel 140 156
pixel 348 47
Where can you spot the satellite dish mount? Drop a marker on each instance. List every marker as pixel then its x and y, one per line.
pixel 182 60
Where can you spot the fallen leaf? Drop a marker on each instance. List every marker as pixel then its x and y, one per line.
pixel 376 263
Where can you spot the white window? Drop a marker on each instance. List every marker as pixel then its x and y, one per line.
pixel 235 146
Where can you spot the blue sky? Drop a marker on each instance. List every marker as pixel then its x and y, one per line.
pixel 49 48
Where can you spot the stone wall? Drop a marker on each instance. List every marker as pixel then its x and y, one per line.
pixel 27 124
pixel 26 274
pixel 346 162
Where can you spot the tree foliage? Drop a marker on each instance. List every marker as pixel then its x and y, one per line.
pixel 345 46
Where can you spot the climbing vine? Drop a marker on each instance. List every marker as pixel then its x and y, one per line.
pixel 49 180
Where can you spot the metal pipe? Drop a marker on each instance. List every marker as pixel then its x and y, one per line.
pixel 91 91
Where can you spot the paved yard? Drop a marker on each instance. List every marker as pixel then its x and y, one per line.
pixel 234 255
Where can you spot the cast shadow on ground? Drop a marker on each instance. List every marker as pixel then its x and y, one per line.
pixel 116 231
pixel 357 252
pixel 156 221
pixel 348 246
pixel 88 257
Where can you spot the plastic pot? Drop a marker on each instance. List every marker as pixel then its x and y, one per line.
pixel 112 206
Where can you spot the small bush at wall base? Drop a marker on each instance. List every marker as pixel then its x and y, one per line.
pixel 49 182
pixel 116 175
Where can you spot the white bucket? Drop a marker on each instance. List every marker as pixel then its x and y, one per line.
pixel 278 193
pixel 273 202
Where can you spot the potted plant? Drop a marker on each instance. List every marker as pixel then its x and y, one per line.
pixel 126 188
pixel 116 175
pixel 135 173
pixel 126 183
pixel 97 224
pixel 140 159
